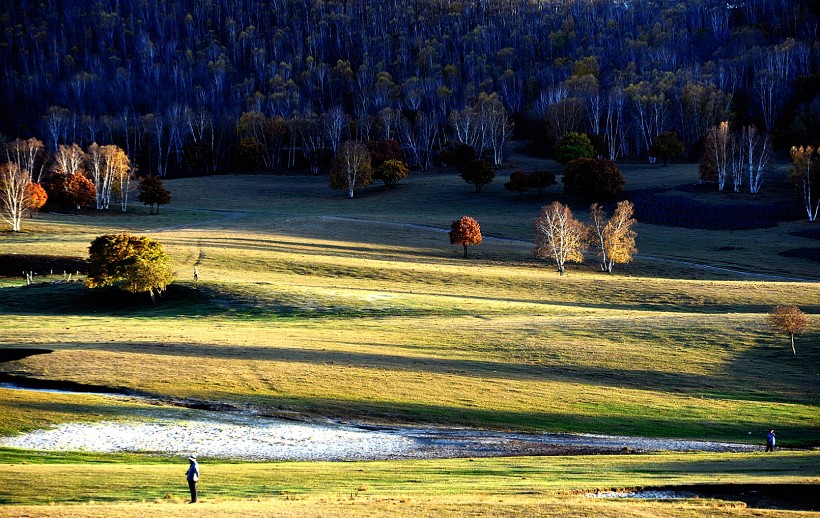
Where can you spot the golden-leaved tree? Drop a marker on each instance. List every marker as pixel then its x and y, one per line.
pixel 614 238
pixel 136 264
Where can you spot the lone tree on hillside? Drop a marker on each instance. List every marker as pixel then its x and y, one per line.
pixel 478 173
pixel 136 264
pixel 559 236
pixel 351 168
pixel 614 239
pixel 788 320
pixel 465 231
pixel 153 192
pixel 519 182
pixel 667 145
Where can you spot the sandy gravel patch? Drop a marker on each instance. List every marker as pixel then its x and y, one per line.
pixel 232 436
pixel 226 437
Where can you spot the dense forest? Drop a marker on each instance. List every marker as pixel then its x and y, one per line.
pixel 194 86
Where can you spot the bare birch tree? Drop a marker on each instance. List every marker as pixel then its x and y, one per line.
pixel 334 122
pixel 102 183
pixel 14 199
pixel 737 162
pixel 499 129
pixel 311 133
pixel 718 148
pixel 804 173
pixel 27 155
pixel 69 160
pixel 758 152
pixel 559 236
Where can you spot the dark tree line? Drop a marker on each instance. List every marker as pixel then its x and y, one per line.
pixel 181 84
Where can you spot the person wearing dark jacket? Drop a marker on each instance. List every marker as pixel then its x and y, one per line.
pixel 770 441
pixel 193 476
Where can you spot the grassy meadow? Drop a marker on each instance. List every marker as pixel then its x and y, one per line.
pixel 311 304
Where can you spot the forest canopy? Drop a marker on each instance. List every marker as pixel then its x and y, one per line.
pixel 169 81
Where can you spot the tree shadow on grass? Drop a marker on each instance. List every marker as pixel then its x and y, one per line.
pixel 265 301
pixel 738 381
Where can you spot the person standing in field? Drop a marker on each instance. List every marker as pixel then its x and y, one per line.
pixel 770 441
pixel 193 476
pixel 196 274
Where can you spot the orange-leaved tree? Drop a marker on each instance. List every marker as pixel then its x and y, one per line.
pixel 788 320
pixel 614 239
pixel 559 236
pixel 36 197
pixel 465 231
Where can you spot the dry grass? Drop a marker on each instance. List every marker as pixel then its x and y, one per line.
pixel 401 507
pixel 360 309
pixel 456 485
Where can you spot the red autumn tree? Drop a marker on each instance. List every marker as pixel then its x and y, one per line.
pixel 71 190
pixel 593 178
pixel 153 192
pixel 465 231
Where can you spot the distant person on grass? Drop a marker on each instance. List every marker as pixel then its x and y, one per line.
pixel 192 475
pixel 770 441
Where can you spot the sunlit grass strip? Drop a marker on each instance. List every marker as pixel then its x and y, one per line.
pixel 143 478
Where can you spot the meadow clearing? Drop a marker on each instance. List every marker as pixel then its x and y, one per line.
pixel 311 305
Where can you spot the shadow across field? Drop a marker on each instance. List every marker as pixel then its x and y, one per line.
pixel 679 426
pixel 264 300
pixel 18 353
pixel 13 265
pixel 724 384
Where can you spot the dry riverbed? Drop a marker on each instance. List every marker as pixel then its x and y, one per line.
pixel 243 435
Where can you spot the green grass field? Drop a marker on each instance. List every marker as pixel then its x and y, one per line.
pixel 313 304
